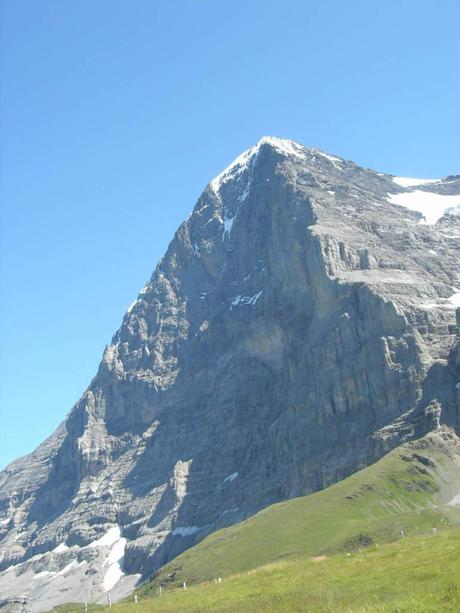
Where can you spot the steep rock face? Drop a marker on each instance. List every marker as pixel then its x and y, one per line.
pixel 300 325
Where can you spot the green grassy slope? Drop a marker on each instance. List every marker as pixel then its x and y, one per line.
pixel 407 490
pixel 419 574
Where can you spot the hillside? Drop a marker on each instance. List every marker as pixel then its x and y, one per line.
pixel 419 574
pixel 406 490
pixel 337 550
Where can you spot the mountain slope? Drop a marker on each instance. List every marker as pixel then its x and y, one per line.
pixel 319 551
pixel 413 489
pixel 299 327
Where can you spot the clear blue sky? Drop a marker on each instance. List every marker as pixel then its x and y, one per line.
pixel 115 114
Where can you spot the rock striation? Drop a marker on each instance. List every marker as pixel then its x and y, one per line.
pixel 303 322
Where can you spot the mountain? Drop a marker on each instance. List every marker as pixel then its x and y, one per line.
pixel 301 324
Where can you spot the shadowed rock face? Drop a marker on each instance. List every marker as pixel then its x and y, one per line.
pixel 299 326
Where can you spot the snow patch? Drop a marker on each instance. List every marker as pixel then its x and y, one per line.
pixel 113 563
pixel 455 298
pixel 43 573
pixel 109 538
pixel 245 300
pixel 283 145
pixel 455 500
pixel 228 224
pixel 245 194
pixel 410 182
pixel 445 303
pixel 431 206
pixel 66 569
pixel 132 305
pixel 60 548
pixel 453 210
pixel 230 478
pixel 185 530
pixel 331 158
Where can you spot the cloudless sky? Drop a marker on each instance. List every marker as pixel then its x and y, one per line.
pixel 115 114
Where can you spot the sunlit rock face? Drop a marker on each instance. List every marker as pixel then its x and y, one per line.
pixel 301 324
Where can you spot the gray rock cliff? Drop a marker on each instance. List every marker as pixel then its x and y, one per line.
pixel 301 324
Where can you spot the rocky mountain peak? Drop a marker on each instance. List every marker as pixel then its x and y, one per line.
pixel 301 324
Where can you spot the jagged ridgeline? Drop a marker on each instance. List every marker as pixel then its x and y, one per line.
pixel 301 324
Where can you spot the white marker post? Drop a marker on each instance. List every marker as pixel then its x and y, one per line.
pixel 402 533
pixel 184 585
pixel 109 600
pixel 161 590
pixel 86 607
pixel 135 598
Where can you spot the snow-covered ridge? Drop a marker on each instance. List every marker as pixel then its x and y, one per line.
pixel 234 169
pixel 244 163
pixel 412 182
pixel 284 146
